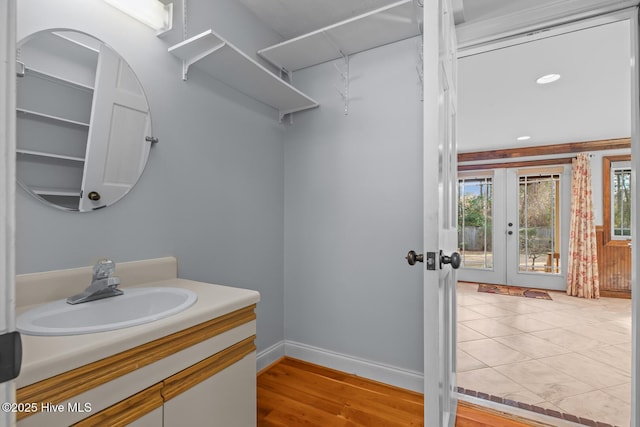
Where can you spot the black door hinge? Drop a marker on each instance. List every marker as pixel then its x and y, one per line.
pixel 10 356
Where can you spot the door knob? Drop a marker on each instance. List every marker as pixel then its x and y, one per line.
pixel 455 260
pixel 94 195
pixel 412 257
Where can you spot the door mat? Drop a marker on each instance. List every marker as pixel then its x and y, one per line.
pixel 515 291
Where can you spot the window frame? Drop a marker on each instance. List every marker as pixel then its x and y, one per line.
pixel 608 238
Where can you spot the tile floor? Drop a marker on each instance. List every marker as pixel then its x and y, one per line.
pixel 568 354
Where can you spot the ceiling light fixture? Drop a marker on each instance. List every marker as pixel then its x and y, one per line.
pixel 548 78
pixel 523 138
pixel 157 14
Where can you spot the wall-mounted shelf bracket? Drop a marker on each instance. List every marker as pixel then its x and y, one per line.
pixel 283 114
pixel 186 63
pixel 344 76
pixel 20 69
pixel 286 76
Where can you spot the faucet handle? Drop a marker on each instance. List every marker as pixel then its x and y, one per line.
pixel 103 268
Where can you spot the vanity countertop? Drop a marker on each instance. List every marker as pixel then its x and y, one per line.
pixel 47 356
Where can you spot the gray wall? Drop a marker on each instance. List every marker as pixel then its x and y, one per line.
pixel 212 192
pixel 353 208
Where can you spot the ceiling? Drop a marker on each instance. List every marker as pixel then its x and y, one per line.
pixel 498 99
pixel 291 18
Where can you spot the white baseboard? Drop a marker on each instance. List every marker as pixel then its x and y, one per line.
pixel 387 374
pixel 270 355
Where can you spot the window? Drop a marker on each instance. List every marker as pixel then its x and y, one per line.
pixel 620 200
pixel 475 234
pixel 616 171
pixel 539 221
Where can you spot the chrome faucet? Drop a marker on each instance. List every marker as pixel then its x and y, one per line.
pixel 103 284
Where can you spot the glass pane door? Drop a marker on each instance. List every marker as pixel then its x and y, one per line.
pixel 475 224
pixel 539 224
pixel 481 220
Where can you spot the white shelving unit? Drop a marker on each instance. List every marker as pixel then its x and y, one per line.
pixel 61 192
pixel 52 117
pixel 222 60
pixel 54 98
pixel 50 155
pixel 59 80
pixel 382 26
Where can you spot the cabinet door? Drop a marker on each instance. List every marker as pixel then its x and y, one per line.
pixel 227 399
pixel 152 419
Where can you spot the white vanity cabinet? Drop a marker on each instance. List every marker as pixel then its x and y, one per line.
pixel 152 419
pixel 194 368
pixel 204 375
pixel 227 399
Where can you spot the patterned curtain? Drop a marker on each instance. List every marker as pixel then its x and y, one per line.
pixel 582 277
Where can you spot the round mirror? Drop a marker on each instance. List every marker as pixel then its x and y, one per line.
pixel 83 121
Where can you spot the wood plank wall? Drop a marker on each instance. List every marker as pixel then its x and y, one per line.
pixel 614 266
pixel 614 256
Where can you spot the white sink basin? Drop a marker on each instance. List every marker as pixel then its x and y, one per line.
pixel 135 307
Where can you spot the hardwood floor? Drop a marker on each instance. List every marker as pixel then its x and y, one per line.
pixel 295 393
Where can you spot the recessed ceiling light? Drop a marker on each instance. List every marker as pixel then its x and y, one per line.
pixel 523 138
pixel 549 78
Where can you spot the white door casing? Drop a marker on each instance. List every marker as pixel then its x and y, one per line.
pixel 440 218
pixel 7 187
pixel 635 217
pixel 120 121
pixel 568 23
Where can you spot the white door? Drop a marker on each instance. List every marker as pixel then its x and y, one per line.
pixel 514 226
pixel 120 121
pixel 7 191
pixel 482 226
pixel 440 213
pixel 537 205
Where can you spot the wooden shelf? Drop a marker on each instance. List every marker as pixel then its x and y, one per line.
pixel 219 58
pixel 382 26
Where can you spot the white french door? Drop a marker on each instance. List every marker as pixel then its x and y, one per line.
pixel 7 195
pixel 537 226
pixel 513 226
pixel 440 214
pixel 481 214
